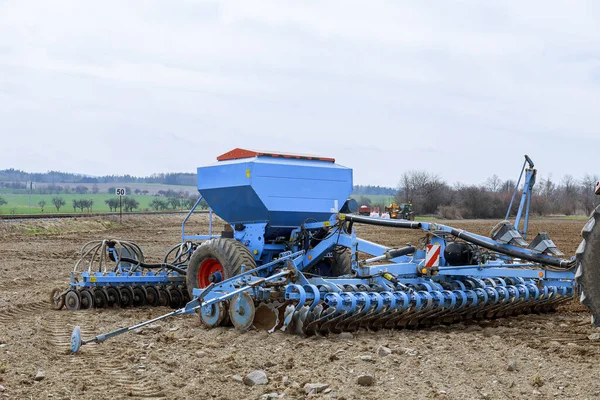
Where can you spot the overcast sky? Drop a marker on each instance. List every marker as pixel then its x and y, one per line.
pixel 461 89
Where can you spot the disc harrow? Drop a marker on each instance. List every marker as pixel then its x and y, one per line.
pixel 421 306
pixel 113 273
pixel 290 259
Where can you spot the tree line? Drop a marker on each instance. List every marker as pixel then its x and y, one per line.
pixel 431 195
pixel 19 178
pixel 371 189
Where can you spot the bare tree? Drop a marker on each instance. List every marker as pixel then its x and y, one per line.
pixel 58 202
pixel 589 200
pixel 493 183
pixel 42 204
pixel 568 195
pixel 425 190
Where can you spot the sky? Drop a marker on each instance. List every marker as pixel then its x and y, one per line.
pixel 462 89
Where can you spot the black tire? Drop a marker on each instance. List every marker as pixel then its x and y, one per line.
pixel 340 263
pixel 230 253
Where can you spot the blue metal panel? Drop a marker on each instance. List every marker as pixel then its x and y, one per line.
pixel 283 192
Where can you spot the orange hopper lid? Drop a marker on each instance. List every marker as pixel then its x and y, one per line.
pixel 238 153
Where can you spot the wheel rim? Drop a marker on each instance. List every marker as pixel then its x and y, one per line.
pixel 209 267
pixel 213 315
pixel 242 311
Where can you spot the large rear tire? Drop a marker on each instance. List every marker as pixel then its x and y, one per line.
pixel 588 269
pixel 222 256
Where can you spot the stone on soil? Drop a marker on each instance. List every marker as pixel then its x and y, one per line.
pixel 313 388
pixel 384 351
pixel 39 376
pixel 258 377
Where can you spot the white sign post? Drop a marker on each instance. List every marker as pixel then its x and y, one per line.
pixel 120 192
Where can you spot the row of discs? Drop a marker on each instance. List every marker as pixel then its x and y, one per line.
pixel 122 296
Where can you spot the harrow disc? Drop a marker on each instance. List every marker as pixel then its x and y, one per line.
pixel 266 317
pixel 72 300
pixel 176 297
pixel 127 295
pixel 152 296
pixel 100 298
pixel 87 299
pixel 139 296
pixel 113 297
pixel 588 270
pixel 164 297
pixel 56 299
pixel 241 311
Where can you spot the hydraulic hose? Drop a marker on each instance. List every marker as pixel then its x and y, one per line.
pixel 361 219
pixel 538 258
pixel 153 266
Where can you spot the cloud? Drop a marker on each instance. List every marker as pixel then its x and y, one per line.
pixel 462 89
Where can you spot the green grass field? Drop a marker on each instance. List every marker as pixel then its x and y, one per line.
pixel 17 203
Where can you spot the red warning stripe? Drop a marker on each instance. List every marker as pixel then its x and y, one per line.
pixel 432 257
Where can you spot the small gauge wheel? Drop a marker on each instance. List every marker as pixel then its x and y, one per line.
pixel 241 311
pixel 57 299
pixel 213 315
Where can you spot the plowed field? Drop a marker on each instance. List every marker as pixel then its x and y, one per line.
pixel 531 356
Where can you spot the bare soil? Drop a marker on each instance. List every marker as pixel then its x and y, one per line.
pixel 530 356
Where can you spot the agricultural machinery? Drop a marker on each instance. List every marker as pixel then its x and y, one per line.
pixel 289 258
pixel 113 273
pixel 400 211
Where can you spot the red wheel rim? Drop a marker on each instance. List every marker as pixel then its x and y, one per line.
pixel 207 268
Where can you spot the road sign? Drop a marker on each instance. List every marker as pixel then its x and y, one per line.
pixel 120 191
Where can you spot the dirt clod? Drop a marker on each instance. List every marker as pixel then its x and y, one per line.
pixel 366 380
